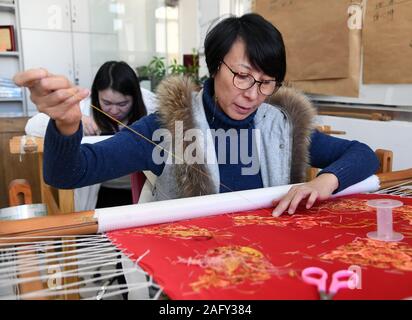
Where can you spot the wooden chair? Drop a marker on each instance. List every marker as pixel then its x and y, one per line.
pixel 20 193
pixel 385 160
pixel 58 201
pixel 385 156
pixel 385 164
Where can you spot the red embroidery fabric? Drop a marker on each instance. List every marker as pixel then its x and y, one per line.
pixel 251 255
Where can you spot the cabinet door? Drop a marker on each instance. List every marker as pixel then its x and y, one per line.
pixel 90 52
pixel 103 48
pixel 83 72
pixel 104 15
pixel 45 14
pixel 48 49
pixel 80 16
pixel 95 16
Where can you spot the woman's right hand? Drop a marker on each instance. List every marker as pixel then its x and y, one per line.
pixel 90 127
pixel 55 96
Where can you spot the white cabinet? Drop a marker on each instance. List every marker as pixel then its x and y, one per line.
pixel 103 15
pixel 51 50
pixel 94 50
pixel 82 71
pixel 55 49
pixel 80 15
pixel 45 14
pixel 68 37
pixel 94 16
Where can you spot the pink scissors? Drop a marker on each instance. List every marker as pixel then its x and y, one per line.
pixel 318 277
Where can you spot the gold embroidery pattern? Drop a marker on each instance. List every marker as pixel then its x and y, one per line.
pixel 342 205
pixel 406 231
pixel 305 221
pixel 406 213
pixel 355 206
pixel 326 214
pixel 373 253
pixel 299 221
pixel 355 224
pixel 229 266
pixel 178 232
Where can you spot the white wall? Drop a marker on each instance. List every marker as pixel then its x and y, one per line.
pixel 391 135
pixel 137 35
pixel 137 31
pixel 189 26
pixel 209 12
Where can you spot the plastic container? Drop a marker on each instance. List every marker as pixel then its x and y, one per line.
pixel 384 217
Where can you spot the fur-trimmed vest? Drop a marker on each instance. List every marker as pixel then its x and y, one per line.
pixel 285 123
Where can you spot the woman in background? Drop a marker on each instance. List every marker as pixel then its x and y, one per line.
pixel 116 91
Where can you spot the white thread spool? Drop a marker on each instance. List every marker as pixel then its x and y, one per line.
pixel 385 220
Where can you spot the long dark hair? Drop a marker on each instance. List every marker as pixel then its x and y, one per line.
pixel 120 77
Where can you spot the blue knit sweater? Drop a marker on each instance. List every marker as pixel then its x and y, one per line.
pixel 67 164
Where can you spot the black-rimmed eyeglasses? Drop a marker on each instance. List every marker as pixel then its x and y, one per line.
pixel 245 81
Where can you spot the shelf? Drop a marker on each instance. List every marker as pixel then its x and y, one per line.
pixel 11 99
pixel 11 62
pixel 12 115
pixel 7 7
pixel 9 54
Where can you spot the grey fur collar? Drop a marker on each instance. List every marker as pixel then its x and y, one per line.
pixel 175 104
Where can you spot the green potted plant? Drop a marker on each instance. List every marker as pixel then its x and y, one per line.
pixel 176 68
pixel 155 71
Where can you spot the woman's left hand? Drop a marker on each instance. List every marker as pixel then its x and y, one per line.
pixel 320 188
pixel 90 127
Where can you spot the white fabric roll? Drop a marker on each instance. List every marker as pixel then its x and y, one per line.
pixel 116 218
pixel 187 208
pixel 370 184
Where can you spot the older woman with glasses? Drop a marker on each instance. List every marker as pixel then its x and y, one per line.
pixel 243 130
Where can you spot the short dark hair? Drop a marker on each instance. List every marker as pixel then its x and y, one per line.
pixel 120 77
pixel 264 44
